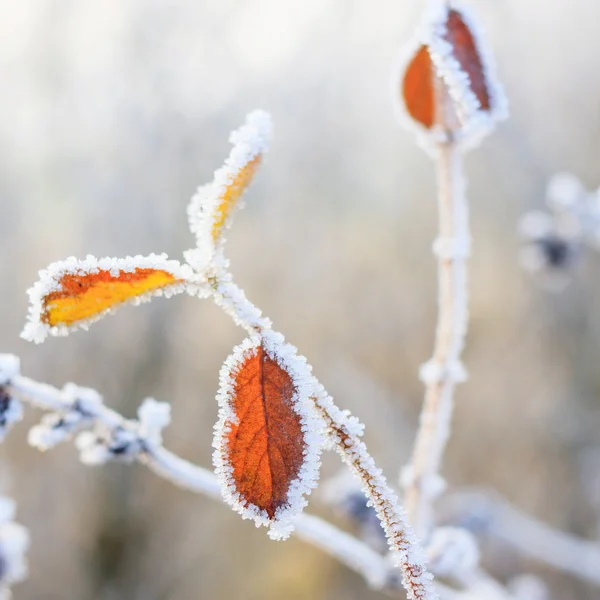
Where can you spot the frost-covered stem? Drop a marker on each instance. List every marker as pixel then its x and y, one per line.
pixel 444 370
pixel 530 536
pixel 416 579
pixel 405 548
pixel 232 299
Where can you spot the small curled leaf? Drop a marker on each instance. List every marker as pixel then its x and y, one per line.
pixel 267 441
pixel 231 193
pixel 212 208
pixel 75 293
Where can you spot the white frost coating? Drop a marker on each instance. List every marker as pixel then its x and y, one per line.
pixel 125 440
pixel 8 509
pixel 104 444
pixel 432 486
pixel 452 248
pixel 530 537
pixel 11 412
pixel 82 404
pixel 154 416
pixel 36 330
pixel 444 370
pixel 249 141
pixel 535 224
pixel 452 552
pixel 475 122
pixel 312 426
pixel 528 587
pixel 405 549
pixel 10 366
pixel 233 301
pixel 339 544
pixel 564 191
pixel 433 372
pixel 14 543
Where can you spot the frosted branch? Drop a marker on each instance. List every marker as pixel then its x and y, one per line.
pixel 528 535
pixel 403 545
pixel 14 542
pixel 444 370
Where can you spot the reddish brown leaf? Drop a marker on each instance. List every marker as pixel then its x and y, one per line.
pixel 265 446
pixel 459 36
pixel 418 88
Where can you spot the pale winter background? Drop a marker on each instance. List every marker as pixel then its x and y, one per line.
pixel 113 112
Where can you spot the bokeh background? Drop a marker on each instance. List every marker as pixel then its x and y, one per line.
pixel 112 114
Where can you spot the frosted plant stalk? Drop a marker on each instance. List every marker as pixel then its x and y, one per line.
pixel 444 370
pixel 75 293
pixel 579 557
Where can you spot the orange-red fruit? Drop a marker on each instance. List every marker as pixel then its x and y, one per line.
pixel 266 446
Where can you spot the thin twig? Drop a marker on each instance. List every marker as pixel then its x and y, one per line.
pixel 444 370
pixel 401 541
pixel 528 535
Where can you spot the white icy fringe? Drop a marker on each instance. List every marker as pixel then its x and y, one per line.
pixel 312 426
pixel 475 122
pixel 128 440
pixel 11 410
pixel 249 141
pixel 233 301
pixel 345 431
pixel 14 543
pixel 36 331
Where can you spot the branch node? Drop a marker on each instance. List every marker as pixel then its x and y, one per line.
pixel 452 248
pixel 433 372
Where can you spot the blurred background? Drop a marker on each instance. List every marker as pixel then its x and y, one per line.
pixel 114 112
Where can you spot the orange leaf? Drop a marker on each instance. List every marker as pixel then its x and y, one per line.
pixel 265 450
pixel 232 193
pixel 212 208
pixel 83 296
pixel 77 292
pixel 418 88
